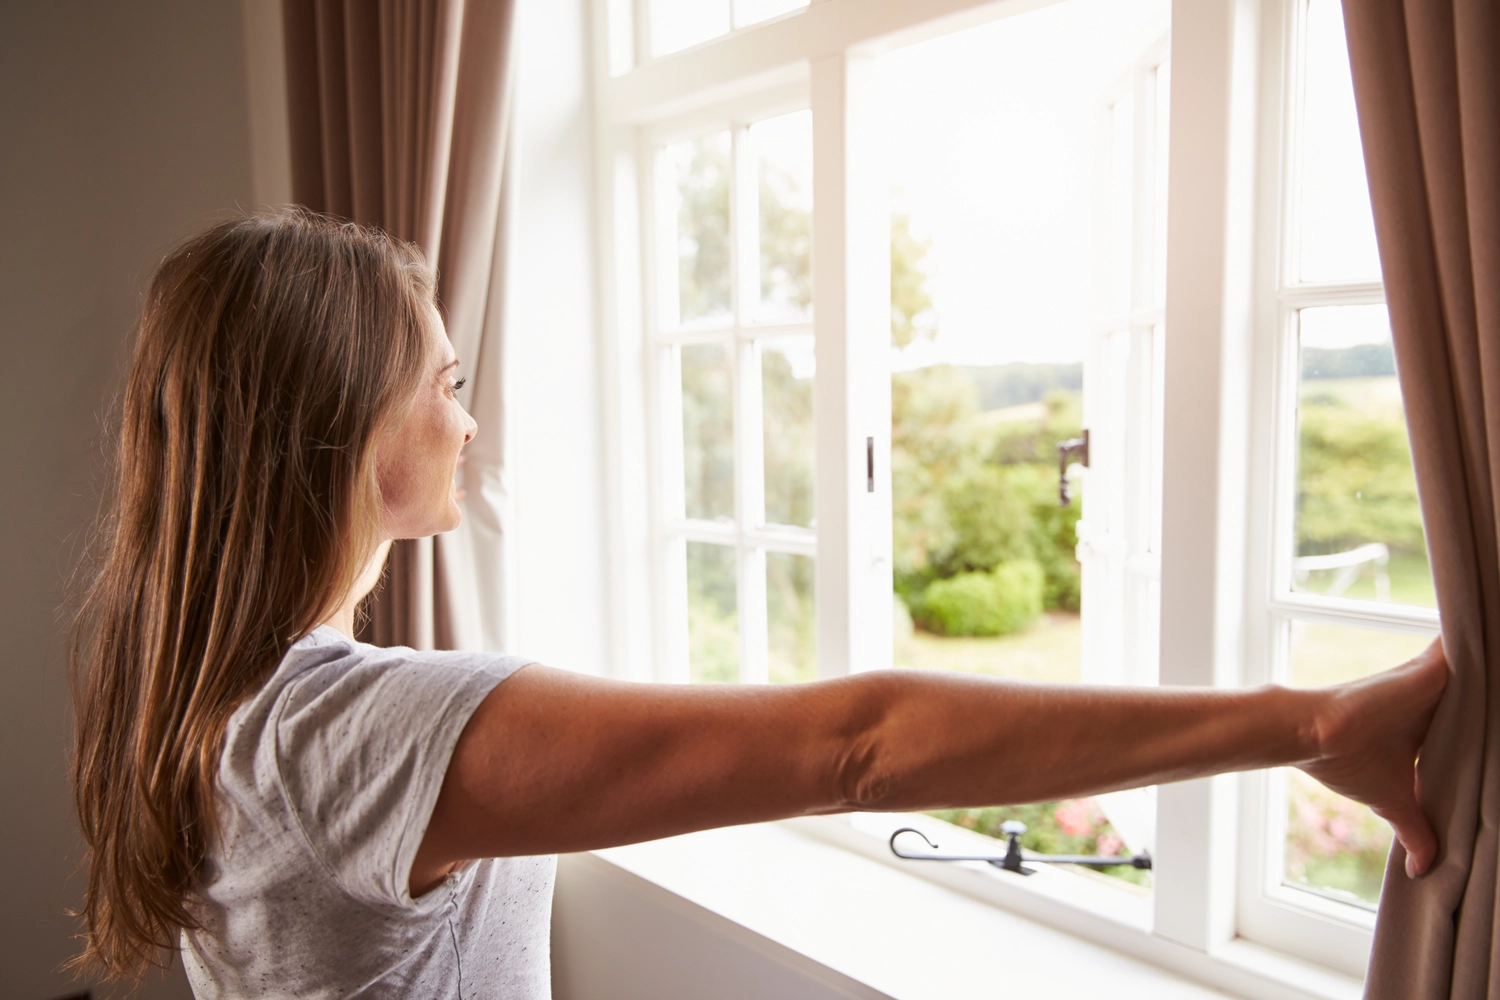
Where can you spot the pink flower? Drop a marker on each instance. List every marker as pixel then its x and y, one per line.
pixel 1109 843
pixel 1077 817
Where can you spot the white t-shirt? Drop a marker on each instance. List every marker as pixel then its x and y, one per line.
pixel 328 778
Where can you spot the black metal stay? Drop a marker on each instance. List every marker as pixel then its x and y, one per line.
pixel 1012 860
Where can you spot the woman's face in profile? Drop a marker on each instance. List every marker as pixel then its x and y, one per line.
pixel 418 459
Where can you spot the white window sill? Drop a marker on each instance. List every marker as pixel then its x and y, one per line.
pixel 930 931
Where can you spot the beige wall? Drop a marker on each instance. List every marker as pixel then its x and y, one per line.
pixel 123 127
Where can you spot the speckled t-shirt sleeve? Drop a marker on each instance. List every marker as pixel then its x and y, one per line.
pixel 361 749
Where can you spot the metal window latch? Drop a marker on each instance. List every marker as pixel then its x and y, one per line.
pixel 1078 450
pixel 1012 860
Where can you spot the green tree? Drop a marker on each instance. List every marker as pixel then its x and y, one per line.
pixel 785 241
pixel 912 315
pixel 930 410
pixel 1354 480
pixel 703 229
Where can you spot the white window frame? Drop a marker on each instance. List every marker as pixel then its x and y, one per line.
pixel 748 534
pixel 1226 67
pixel 1288 918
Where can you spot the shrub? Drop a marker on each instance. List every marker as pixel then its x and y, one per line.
pixel 990 518
pixel 1005 599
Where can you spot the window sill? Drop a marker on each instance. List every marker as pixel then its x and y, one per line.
pixel 928 931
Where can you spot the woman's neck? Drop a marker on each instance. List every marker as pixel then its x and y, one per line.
pixel 342 618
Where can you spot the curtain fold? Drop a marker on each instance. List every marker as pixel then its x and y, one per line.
pixel 399 114
pixel 1427 86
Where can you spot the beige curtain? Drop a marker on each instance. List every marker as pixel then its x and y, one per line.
pixel 399 111
pixel 1427 83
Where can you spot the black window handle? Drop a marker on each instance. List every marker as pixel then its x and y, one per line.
pixel 1078 449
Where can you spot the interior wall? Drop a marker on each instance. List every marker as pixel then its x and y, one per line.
pixel 616 935
pixel 552 348
pixel 124 127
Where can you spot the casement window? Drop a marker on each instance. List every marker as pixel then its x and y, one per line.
pixel 1341 585
pixel 1205 293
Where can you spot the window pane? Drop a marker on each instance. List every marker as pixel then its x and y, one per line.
pixel 754 11
pixel 793 636
pixel 699 172
pixel 677 24
pixel 787 384
pixel 713 619
pixel 1358 526
pixel 708 430
pixel 783 148
pixel 1336 846
pixel 1337 226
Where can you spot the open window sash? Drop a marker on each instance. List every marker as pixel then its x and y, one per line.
pixel 1119 532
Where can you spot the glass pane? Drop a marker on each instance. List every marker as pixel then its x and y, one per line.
pixel 755 11
pixel 677 24
pixel 1358 526
pixel 1337 226
pixel 1000 268
pixel 708 430
pixel 699 172
pixel 713 618
pixel 787 384
pixel 783 148
pixel 793 645
pixel 1336 846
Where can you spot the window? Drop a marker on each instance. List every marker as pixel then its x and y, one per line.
pixel 1347 587
pixel 1027 308
pixel 731 333
pixel 769 220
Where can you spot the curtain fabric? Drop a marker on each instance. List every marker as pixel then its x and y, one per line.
pixel 399 112
pixel 1427 85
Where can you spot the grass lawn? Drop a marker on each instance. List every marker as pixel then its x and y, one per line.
pixel 1411 582
pixel 1330 654
pixel 1047 650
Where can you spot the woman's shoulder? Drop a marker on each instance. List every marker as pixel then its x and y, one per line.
pixel 327 663
pixel 345 746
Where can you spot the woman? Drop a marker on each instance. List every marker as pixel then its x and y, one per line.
pixel 302 814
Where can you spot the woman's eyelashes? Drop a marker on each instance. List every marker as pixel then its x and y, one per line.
pixel 458 384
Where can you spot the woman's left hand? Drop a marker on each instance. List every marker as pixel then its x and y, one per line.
pixel 1369 735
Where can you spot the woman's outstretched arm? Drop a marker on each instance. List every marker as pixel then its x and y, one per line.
pixel 552 761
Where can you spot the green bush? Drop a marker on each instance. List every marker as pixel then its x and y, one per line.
pixel 998 602
pixel 990 519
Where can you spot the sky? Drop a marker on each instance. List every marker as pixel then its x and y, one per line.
pixel 991 150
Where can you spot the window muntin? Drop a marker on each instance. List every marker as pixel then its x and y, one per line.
pixel 1349 586
pixel 732 325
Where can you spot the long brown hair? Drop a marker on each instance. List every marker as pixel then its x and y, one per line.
pixel 271 353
